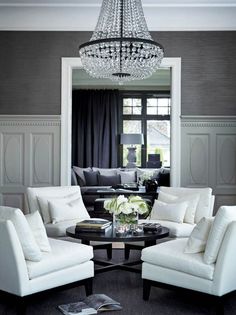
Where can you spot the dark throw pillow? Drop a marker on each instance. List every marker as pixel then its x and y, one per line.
pixel 91 178
pixel 108 180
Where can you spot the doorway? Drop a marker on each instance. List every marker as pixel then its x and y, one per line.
pixel 68 65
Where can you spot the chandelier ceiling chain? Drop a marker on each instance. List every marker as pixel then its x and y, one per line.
pixel 121 47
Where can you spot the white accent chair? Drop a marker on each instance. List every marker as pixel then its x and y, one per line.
pixel 178 230
pixel 58 230
pixel 167 264
pixel 67 264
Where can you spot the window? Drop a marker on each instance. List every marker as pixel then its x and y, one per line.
pixel 149 114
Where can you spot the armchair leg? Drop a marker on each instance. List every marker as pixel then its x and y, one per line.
pixel 127 251
pixel 109 251
pixel 21 306
pixel 219 305
pixel 88 286
pixel 146 289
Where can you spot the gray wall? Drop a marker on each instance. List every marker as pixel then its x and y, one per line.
pixel 30 70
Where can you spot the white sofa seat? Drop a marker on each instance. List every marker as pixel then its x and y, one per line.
pixel 164 255
pixel 62 256
pixel 176 229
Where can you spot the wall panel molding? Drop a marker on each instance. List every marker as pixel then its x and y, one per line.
pixel 29 155
pixel 209 155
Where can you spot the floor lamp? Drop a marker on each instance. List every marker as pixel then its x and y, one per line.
pixel 131 139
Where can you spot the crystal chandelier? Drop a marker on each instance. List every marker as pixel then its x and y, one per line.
pixel 121 47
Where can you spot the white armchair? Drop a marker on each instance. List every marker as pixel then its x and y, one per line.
pixel 38 198
pixel 211 272
pixel 26 270
pixel 204 208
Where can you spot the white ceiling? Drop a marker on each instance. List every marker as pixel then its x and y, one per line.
pixel 81 15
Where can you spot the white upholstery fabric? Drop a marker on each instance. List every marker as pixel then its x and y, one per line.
pixel 174 212
pixel 29 246
pixel 67 209
pixel 48 192
pixel 176 278
pixel 14 276
pixel 171 256
pixel 59 229
pixel 38 229
pixel 62 256
pixel 127 176
pixel 204 207
pixel 198 238
pixel 176 229
pixel 192 201
pixel 224 216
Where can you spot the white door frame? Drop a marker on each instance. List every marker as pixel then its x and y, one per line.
pixel 68 65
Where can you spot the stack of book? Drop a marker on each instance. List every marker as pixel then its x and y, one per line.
pixel 93 225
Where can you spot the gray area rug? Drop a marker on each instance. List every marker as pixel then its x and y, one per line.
pixel 126 288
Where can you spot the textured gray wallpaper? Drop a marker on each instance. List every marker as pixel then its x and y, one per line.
pixel 30 70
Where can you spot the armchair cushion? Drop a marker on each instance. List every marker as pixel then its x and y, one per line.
pixel 176 229
pixel 224 216
pixel 171 212
pixel 67 209
pixel 198 238
pixel 29 246
pixel 38 229
pixel 59 229
pixel 63 255
pixel 204 207
pixel 170 255
pixel 45 209
pixel 192 201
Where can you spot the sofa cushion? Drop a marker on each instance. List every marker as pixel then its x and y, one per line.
pixel 165 254
pixel 79 171
pixel 224 216
pixel 29 246
pixel 175 229
pixel 204 205
pixel 63 210
pixel 171 212
pixel 105 171
pixel 198 238
pixel 192 201
pixel 128 176
pixel 38 229
pixel 109 180
pixel 63 255
pixel 91 178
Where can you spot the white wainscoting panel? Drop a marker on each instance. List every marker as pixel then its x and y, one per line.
pixel 208 149
pixel 29 155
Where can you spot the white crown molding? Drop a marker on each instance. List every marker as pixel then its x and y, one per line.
pixel 76 15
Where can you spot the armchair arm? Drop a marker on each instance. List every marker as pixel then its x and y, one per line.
pixel 225 275
pixel 13 271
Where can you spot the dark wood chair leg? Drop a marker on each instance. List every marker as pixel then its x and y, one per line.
pixel 219 305
pixel 21 305
pixel 109 251
pixel 127 251
pixel 146 289
pixel 88 286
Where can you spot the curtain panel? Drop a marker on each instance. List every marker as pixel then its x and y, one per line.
pixel 95 128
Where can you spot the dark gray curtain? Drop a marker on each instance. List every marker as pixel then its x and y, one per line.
pixel 94 128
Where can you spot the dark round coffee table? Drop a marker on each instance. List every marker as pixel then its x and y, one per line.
pixel 149 239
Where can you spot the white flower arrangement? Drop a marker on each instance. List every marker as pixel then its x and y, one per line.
pixel 126 209
pixel 145 176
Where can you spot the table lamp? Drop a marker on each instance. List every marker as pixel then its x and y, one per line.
pixel 131 139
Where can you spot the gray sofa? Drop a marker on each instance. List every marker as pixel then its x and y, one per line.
pixel 100 178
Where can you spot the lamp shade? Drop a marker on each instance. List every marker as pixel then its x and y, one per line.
pixel 131 138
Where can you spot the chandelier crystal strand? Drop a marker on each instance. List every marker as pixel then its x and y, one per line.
pixel 121 47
